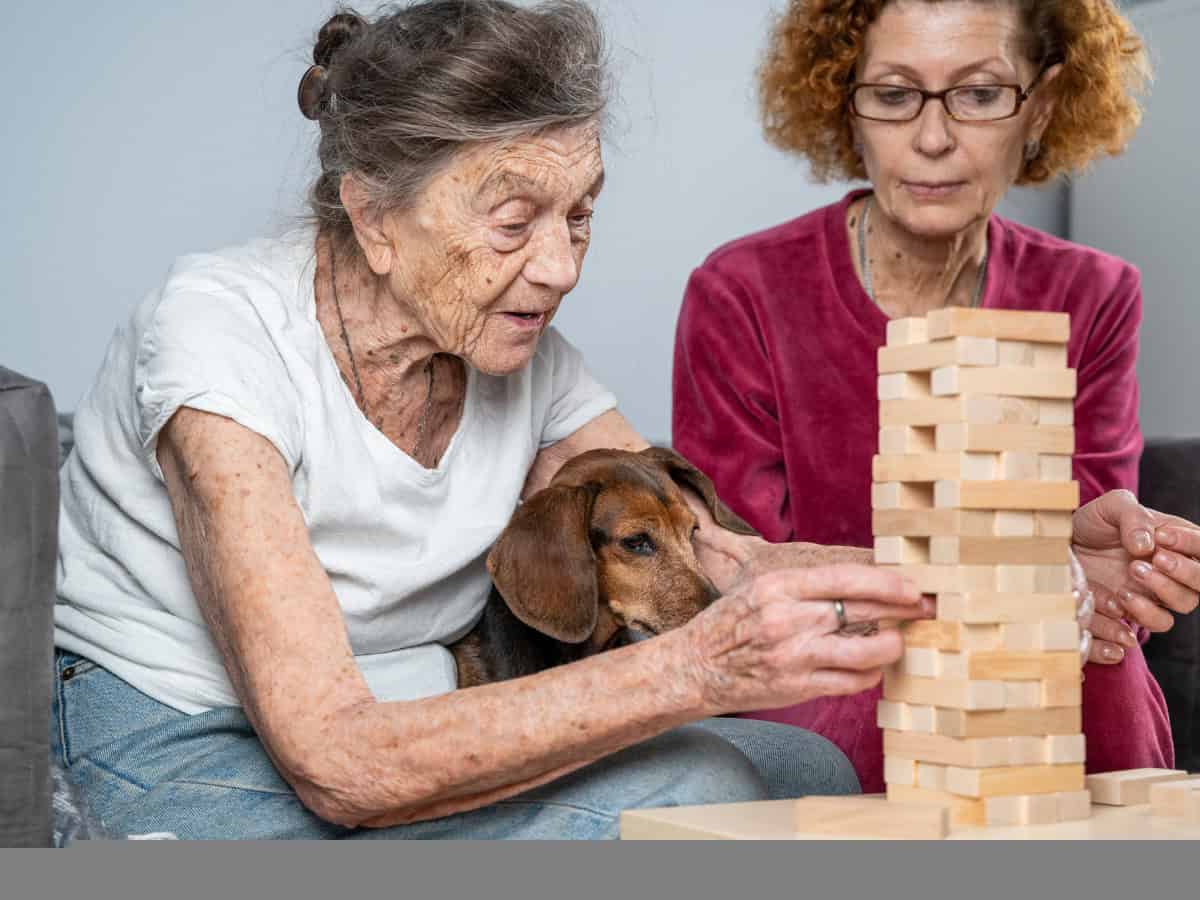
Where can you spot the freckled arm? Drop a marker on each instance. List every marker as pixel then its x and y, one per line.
pixel 354 760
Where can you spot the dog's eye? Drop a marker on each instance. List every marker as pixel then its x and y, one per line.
pixel 639 543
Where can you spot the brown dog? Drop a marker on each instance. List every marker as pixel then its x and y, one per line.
pixel 600 558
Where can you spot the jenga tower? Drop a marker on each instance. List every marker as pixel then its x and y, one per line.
pixel 972 500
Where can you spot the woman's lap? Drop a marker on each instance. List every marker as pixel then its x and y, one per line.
pixel 145 767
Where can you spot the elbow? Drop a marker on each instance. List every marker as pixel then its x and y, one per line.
pixel 347 789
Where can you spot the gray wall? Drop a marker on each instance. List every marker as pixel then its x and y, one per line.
pixel 1143 207
pixel 142 130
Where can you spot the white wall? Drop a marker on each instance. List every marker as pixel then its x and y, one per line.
pixel 1143 206
pixel 143 130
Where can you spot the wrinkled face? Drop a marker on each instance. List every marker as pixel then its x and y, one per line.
pixel 495 241
pixel 935 176
pixel 648 576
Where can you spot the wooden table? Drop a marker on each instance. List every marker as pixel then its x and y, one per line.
pixel 771 820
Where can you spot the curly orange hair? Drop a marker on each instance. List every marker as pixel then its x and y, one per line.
pixel 815 45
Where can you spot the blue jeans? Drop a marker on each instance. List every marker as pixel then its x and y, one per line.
pixel 145 767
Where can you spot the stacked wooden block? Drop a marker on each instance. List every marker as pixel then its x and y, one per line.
pixel 972 499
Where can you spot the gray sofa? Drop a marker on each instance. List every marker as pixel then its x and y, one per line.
pixel 28 547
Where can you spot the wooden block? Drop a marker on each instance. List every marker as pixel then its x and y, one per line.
pixel 1033 495
pixel 982 607
pixel 964 579
pixel 1019 465
pixel 931 776
pixel 895 495
pixel 957 436
pixel 1029 750
pixel 929 522
pixel 1058 413
pixel 1008 723
pixel 1053 524
pixel 933 467
pixel 911 330
pixel 901 551
pixel 1063 691
pixel 1047 636
pixel 1007 665
pixel 1054 468
pixel 903 385
pixel 925 357
pixel 1074 806
pixel 899 771
pixel 1044 579
pixel 905 717
pixel 898 440
pixel 1064 748
pixel 943 692
pixel 1002 324
pixel 951 636
pixel 986 551
pixel 975 753
pixel 971 409
pixel 1022 809
pixel 997 782
pixel 1013 523
pixel 869 817
pixel 1023 695
pixel 1177 799
pixel 1004 381
pixel 1129 787
pixel 963 810
pixel 1014 353
pixel 921 661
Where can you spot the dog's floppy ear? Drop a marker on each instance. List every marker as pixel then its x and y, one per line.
pixel 543 564
pixel 684 473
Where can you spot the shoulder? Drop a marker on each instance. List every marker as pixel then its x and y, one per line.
pixel 780 242
pixel 768 269
pixel 262 270
pixel 1078 277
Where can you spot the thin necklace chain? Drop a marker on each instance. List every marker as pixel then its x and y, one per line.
pixel 430 370
pixel 864 262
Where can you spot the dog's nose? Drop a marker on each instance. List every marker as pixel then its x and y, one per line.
pixel 630 634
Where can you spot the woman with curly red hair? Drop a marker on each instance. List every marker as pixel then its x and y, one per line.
pixel 942 107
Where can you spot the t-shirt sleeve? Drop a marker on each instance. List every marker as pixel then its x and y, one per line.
pixel 214 353
pixel 724 415
pixel 574 397
pixel 1108 436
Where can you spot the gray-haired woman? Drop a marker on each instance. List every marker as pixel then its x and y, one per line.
pixel 299 450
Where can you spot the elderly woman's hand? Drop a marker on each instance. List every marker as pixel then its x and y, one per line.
pixel 1140 564
pixel 774 640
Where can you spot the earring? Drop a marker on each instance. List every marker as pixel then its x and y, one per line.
pixel 1033 150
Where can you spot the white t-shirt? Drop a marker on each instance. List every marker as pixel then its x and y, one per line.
pixel 235 333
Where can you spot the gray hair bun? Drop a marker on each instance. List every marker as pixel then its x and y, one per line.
pixel 314 93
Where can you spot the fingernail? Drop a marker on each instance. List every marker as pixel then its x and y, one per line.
pixel 1143 542
pixel 1128 638
pixel 1141 569
pixel 1111 653
pixel 1114 607
pixel 1167 537
pixel 1164 562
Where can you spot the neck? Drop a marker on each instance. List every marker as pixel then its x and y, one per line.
pixel 912 274
pixel 386 338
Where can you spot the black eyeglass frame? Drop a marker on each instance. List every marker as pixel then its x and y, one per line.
pixel 1023 94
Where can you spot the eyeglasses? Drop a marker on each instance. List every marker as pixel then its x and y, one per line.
pixel 965 103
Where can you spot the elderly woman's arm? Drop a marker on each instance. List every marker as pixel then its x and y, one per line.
pixel 725 556
pixel 357 761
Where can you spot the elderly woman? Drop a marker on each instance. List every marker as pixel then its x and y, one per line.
pixel 298 451
pixel 942 106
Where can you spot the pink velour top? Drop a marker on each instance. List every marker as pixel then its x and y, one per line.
pixel 775 399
